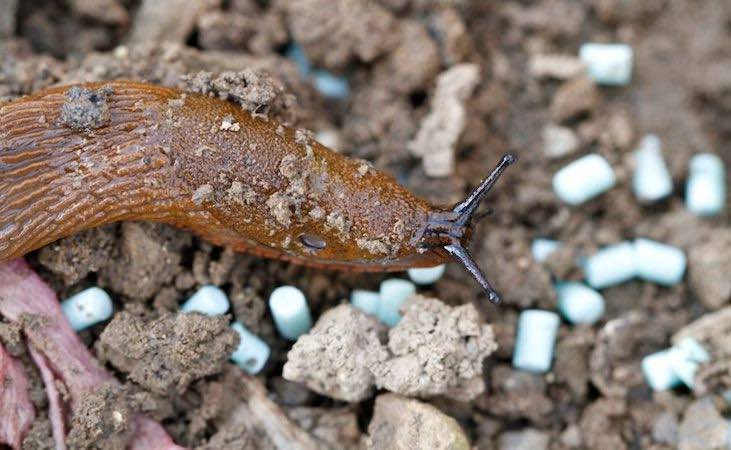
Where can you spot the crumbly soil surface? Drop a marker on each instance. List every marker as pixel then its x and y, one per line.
pixel 394 53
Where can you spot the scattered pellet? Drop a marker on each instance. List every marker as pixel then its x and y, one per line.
pixel 366 301
pixel 535 340
pixel 427 275
pixel 579 303
pixel 651 181
pixel 290 312
pixel 583 179
pixel 705 189
pixel 608 64
pixel 252 353
pixel 208 300
pixel 394 293
pixel 87 308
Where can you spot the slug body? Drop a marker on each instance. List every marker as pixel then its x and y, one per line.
pixel 77 157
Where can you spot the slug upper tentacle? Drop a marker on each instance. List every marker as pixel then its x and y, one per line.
pixel 77 157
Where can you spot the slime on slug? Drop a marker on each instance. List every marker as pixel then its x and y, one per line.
pixel 77 157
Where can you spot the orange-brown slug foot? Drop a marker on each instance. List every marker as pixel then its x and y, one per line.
pixel 77 157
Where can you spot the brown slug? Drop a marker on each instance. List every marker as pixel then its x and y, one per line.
pixel 77 157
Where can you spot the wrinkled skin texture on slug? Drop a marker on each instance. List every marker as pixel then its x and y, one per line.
pixel 77 158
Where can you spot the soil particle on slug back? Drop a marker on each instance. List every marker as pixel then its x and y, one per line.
pixel 85 109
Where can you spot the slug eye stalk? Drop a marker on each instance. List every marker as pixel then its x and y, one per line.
pixel 447 230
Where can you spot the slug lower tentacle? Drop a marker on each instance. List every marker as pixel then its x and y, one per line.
pixel 77 157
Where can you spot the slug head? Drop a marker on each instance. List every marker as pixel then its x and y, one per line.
pixel 450 231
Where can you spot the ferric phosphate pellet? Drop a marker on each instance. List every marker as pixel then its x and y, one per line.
pixel 296 53
pixel 583 179
pixel 208 300
pixel 607 64
pixel 651 180
pixel 330 85
pixel 88 307
pixel 366 301
pixel 705 189
pixel 579 303
pixel 394 293
pixel 611 265
pixel 658 370
pixel 535 340
pixel 427 275
pixel 541 248
pixel 659 263
pixel 687 356
pixel 290 312
pixel 252 353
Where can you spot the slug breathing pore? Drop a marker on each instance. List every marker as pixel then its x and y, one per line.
pixel 78 157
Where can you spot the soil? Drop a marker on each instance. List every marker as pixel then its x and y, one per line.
pixel 399 57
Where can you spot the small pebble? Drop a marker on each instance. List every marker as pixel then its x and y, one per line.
pixel 88 307
pixel 535 340
pixel 583 179
pixel 541 248
pixel 290 312
pixel 209 300
pixel 394 293
pixel 330 85
pixel 556 66
pixel 658 370
pixel 705 189
pixel 559 142
pixel 579 303
pixel 252 353
pixel 611 265
pixel 366 301
pixel 659 263
pixel 607 64
pixel 651 181
pixel 427 275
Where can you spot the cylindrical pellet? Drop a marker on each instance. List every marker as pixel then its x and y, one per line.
pixel 651 181
pixel 290 312
pixel 659 263
pixel 209 300
pixel 252 353
pixel 611 265
pixel 705 189
pixel 579 303
pixel 427 275
pixel 607 64
pixel 394 293
pixel 658 370
pixel 366 301
pixel 87 308
pixel 535 340
pixel 541 248
pixel 583 179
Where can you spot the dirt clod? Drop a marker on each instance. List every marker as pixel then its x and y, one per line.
pixel 403 424
pixel 335 357
pixel 436 350
pixel 104 420
pixel 168 353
